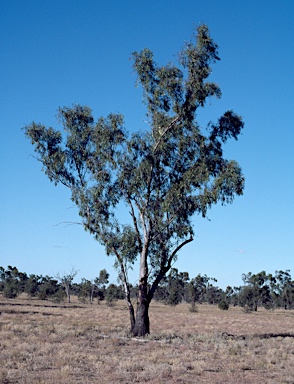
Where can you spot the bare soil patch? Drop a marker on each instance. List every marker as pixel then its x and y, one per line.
pixel 43 342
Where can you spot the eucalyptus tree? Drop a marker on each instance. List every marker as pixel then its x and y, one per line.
pixel 66 280
pixel 164 175
pixel 201 289
pixel 256 291
pixel 175 287
pixel 12 281
pixel 284 288
pixel 100 283
pixel 96 288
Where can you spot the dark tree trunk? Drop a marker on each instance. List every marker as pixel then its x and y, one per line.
pixel 142 325
pixel 132 316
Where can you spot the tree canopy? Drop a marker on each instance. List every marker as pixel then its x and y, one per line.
pixel 163 175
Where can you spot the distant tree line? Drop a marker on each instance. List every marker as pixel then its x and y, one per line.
pixel 57 288
pixel 258 290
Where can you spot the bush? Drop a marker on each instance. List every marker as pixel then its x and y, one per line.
pixel 112 294
pixel 10 290
pixel 223 305
pixel 193 307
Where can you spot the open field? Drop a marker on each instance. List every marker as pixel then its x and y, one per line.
pixel 43 342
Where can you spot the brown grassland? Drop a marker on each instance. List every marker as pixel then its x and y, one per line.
pixel 44 342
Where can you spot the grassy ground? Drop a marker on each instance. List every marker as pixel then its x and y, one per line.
pixel 43 342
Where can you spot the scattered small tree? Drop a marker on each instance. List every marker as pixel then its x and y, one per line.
pixel 224 305
pixel 66 280
pixel 86 290
pixel 255 291
pixel 101 282
pixel 112 294
pixel 12 281
pixel 284 288
pixel 50 289
pixel 32 285
pixel 175 287
pixel 199 287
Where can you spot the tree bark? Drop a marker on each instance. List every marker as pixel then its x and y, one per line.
pixel 132 316
pixel 142 324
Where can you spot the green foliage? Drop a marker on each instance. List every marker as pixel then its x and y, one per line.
pixel 261 289
pixel 283 288
pixel 11 289
pixel 175 287
pixel 256 291
pixel 12 282
pixel 32 285
pixel 100 283
pixel 49 289
pixel 113 293
pixel 224 305
pixel 86 291
pixel 201 289
pixel 89 289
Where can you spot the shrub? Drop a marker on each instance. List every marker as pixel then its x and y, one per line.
pixel 193 307
pixel 224 305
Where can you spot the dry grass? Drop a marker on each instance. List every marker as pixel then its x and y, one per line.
pixel 41 342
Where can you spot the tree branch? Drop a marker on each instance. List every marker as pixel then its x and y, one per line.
pixel 132 213
pixel 125 282
pixel 176 250
pixel 165 268
pixel 165 131
pixel 68 223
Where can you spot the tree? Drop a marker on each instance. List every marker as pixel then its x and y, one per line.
pixel 50 289
pixel 164 175
pixel 101 282
pixel 175 287
pixel 199 288
pixel 223 305
pixel 87 290
pixel 32 285
pixel 96 288
pixel 255 291
pixel 12 282
pixel 66 280
pixel 112 294
pixel 284 288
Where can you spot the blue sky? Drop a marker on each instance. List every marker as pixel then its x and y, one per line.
pixel 56 53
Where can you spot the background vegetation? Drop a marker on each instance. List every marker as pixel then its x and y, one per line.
pixel 270 291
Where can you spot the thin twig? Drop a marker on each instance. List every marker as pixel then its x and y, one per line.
pixel 68 223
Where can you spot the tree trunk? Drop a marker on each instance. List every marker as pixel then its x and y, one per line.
pixel 132 315
pixel 142 324
pixel 67 294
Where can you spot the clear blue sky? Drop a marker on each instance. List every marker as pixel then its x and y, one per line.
pixel 56 53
